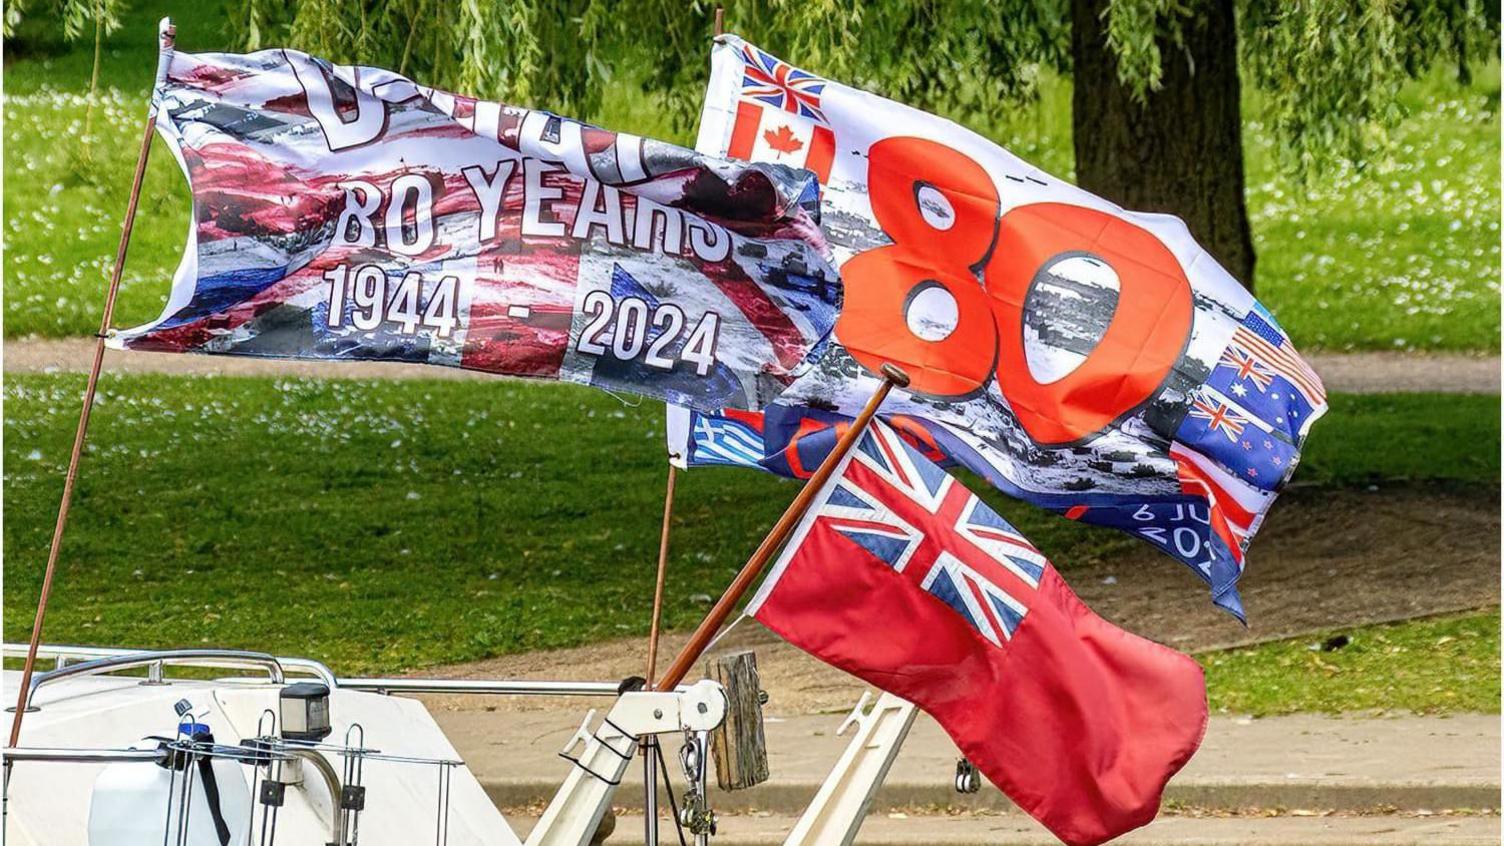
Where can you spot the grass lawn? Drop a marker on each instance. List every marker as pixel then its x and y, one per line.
pixel 1401 254
pixel 1379 438
pixel 397 524
pixel 1427 666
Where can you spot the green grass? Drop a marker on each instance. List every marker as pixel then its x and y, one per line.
pixel 391 524
pixel 1402 254
pixel 1436 665
pixel 1399 254
pixel 387 525
pixel 1388 438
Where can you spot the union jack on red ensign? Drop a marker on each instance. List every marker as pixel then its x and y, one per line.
pixel 915 518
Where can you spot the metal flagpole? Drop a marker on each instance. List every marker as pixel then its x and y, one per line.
pixel 167 35
pixel 700 640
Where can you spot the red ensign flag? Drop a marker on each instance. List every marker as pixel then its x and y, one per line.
pixel 901 576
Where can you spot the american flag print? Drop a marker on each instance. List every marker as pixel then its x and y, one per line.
pixel 1058 400
pixel 349 213
pixel 777 83
pixel 1269 348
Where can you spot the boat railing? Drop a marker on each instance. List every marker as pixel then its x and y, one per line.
pixel 74 661
pixel 155 661
pixel 82 756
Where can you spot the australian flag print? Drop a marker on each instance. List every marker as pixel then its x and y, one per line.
pixel 1086 358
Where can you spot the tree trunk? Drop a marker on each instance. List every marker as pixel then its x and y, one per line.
pixel 1180 150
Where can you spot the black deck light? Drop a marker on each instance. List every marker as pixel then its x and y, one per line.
pixel 305 711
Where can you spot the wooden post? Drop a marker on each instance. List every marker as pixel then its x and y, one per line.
pixel 738 747
pixel 166 38
pixel 700 640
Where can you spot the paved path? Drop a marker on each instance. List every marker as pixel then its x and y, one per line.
pixel 1363 373
pixel 1011 829
pixel 1344 764
pixel 1283 781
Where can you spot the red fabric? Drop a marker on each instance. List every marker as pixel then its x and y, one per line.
pixel 822 153
pixel 744 131
pixel 1077 721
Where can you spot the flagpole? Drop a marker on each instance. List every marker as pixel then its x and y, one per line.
pixel 650 745
pixel 700 640
pixel 649 752
pixel 167 38
pixel 668 516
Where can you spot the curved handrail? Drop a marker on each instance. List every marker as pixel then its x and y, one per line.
pixel 219 658
pixel 293 666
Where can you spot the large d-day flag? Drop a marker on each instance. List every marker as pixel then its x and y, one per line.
pixel 1092 360
pixel 901 576
pixel 348 213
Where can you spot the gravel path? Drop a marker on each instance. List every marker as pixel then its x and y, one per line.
pixel 1359 373
pixel 1326 560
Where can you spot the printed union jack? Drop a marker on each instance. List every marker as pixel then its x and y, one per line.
pixel 770 80
pixel 1246 366
pixel 914 517
pixel 1219 416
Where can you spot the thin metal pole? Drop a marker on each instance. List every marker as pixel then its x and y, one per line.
pixel 700 640
pixel 650 791
pixel 167 37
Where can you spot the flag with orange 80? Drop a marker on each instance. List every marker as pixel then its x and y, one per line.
pixel 1091 360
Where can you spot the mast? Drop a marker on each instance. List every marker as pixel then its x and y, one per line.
pixel 650 754
pixel 167 39
pixel 893 377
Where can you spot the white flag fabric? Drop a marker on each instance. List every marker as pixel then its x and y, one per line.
pixel 1086 358
pixel 350 213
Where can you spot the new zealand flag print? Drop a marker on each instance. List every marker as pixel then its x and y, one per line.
pixel 1091 360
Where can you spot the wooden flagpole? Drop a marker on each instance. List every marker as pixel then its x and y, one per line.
pixel 668 502
pixel 167 36
pixel 650 745
pixel 668 516
pixel 700 640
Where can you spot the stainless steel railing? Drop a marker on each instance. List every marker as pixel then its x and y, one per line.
pixel 95 659
pixel 156 660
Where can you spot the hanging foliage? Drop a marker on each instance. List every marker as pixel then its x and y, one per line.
pixel 1329 69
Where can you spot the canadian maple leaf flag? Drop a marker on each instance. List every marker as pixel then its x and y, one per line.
pixel 766 134
pixel 902 577
pixel 779 118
